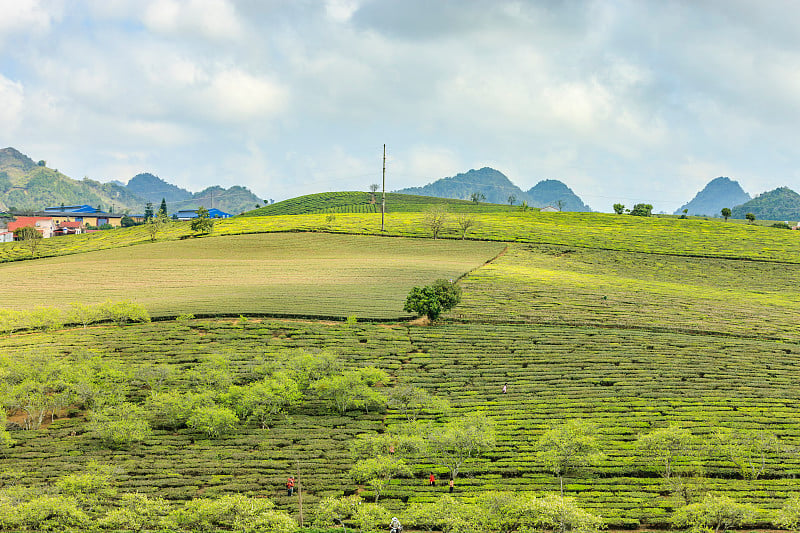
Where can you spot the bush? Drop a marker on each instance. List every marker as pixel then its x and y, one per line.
pixel 135 513
pixel 213 420
pixel 121 425
pixel 433 300
pixel 237 512
pixel 123 312
pixel 789 515
pixel 714 512
pixel 52 513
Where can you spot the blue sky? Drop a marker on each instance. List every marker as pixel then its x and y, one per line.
pixel 624 101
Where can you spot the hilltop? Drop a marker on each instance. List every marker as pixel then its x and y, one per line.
pixel 718 193
pixel 29 185
pixel 779 204
pixel 497 189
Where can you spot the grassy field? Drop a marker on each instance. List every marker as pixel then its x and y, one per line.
pixel 663 236
pixel 279 273
pixel 632 323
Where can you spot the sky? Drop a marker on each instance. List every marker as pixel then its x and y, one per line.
pixel 624 101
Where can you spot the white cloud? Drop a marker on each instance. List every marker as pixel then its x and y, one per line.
pixel 25 16
pixel 216 19
pixel 12 96
pixel 236 96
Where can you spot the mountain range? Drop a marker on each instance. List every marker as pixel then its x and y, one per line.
pixel 26 185
pixel 498 189
pixel 720 192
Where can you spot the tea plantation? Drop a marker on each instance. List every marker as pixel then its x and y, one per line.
pixel 630 324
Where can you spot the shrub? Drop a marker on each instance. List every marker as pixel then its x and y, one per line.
pixel 123 312
pixel 789 515
pixel 213 420
pixel 52 513
pixel 121 425
pixel 135 513
pixel 433 300
pixel 237 512
pixel 714 512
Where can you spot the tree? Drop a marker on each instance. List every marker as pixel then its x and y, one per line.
pixel 726 212
pixel 717 512
pixel 667 450
pixel 201 223
pixel 511 199
pixel 569 446
pixel 477 197
pixel 412 401
pixel 619 209
pixel 435 218
pixel 465 221
pixel 263 400
pixel 163 208
pixel 789 515
pixel 378 471
pixel 747 449
pixel 750 217
pixel 30 238
pixel 353 389
pixel 642 210
pixel 524 206
pixel 5 438
pixel 121 425
pixel 213 420
pixel 457 442
pixel 433 300
pixel 155 224
pixel 126 221
pixel 148 211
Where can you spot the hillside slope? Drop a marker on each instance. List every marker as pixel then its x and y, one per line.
pixel 779 204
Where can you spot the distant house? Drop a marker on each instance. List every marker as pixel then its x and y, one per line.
pixel 88 218
pixel 6 236
pixel 69 228
pixel 549 209
pixel 71 209
pixel 44 225
pixel 188 214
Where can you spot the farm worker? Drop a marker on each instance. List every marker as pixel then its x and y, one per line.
pixel 452 483
pixel 432 480
pixel 395 526
pixel 505 388
pixel 290 486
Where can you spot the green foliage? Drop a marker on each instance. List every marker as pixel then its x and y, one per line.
pixel 172 409
pixel 726 213
pixel 465 221
pixel 213 421
pixel 457 442
pixel 666 448
pixel 266 399
pixel 477 197
pixel 714 512
pixel 642 210
pixel 353 389
pixel 30 237
pixel 123 312
pixel 136 512
pixel 127 222
pixel 156 224
pixel 788 517
pixel 412 401
pixel 750 217
pixel 378 471
pixel 232 512
pixel 51 513
pixel 568 446
pixel 433 300
pixel 747 449
pixel 121 425
pixel 350 510
pixel 201 223
pixel 45 319
pixel 5 439
pixel 619 209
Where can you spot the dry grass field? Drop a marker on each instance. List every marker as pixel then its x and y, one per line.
pixel 279 273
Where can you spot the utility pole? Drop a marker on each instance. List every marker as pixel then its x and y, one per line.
pixel 383 200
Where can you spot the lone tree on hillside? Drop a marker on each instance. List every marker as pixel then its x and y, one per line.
pixel 726 212
pixel 201 223
pixel 465 221
pixel 433 300
pixel 30 238
pixel 163 208
pixel 477 197
pixel 156 224
pixel 750 217
pixel 512 199
pixel 642 210
pixel 435 219
pixel 619 208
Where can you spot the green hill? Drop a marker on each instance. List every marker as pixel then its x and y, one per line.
pixel 364 202
pixel 718 193
pixel 25 185
pixel 779 204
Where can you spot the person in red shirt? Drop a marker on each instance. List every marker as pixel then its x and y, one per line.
pixel 290 486
pixel 432 480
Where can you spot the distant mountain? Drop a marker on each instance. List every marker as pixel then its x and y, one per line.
pixel 779 204
pixel 26 185
pixel 497 188
pixel 720 192
pixel 555 193
pixel 153 189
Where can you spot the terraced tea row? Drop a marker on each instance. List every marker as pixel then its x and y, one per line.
pixel 626 381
